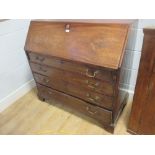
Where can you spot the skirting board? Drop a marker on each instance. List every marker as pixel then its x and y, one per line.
pixel 18 93
pixel 131 94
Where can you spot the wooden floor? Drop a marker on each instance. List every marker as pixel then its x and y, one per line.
pixel 29 115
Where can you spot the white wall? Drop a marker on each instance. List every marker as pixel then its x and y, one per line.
pixel 15 75
pixel 133 53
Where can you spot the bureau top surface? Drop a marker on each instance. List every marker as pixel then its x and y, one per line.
pixel 96 42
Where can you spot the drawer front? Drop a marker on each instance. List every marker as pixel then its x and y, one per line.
pixel 73 67
pixel 88 83
pixel 102 115
pixel 76 90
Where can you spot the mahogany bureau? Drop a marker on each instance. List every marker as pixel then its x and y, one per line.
pixel 79 63
pixel 142 117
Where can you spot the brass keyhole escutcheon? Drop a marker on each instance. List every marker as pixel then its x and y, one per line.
pixel 67 28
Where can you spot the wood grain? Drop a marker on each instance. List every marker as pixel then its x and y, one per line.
pixel 70 66
pixel 142 120
pixel 56 74
pixel 101 115
pixel 76 91
pixel 96 44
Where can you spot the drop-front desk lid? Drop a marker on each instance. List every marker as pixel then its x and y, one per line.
pixel 96 42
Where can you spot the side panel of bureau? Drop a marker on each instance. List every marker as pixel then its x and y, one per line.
pixel 120 97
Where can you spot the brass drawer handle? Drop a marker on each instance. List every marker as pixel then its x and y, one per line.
pixel 97 84
pixel 43 70
pixel 89 97
pixel 67 28
pixel 92 99
pixel 97 97
pixel 91 112
pixel 91 75
pixel 92 85
pixel 40 58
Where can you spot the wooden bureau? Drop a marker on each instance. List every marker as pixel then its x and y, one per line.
pixel 79 63
pixel 142 117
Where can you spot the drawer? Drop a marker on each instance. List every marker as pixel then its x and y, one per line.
pixel 92 72
pixel 102 115
pixel 76 90
pixel 86 82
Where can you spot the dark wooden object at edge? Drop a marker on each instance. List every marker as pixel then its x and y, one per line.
pixel 142 117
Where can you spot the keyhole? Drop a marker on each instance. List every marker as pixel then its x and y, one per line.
pixel 67 28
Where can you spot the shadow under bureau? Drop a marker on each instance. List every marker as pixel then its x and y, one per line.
pixel 79 63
